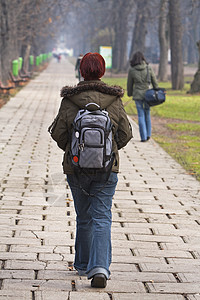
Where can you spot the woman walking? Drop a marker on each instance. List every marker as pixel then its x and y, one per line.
pixel 137 84
pixel 93 192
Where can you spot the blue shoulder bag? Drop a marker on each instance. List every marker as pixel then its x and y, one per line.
pixel 154 96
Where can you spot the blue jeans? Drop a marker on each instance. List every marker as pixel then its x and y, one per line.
pixel 93 222
pixel 144 119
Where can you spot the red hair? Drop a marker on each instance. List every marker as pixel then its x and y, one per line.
pixel 92 66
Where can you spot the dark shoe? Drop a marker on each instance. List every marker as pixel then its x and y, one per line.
pixel 148 138
pixel 99 281
pixel 143 141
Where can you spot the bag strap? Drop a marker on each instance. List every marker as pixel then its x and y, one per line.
pixel 52 126
pixel 148 76
pixel 92 104
pixel 79 172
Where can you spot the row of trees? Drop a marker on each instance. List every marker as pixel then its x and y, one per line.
pixel 153 27
pixel 28 27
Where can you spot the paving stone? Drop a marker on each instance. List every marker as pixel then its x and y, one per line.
pixel 135 259
pixel 135 244
pixel 34 285
pixel 120 267
pixel 194 262
pixel 176 288
pixel 45 295
pixel 155 238
pixel 21 274
pixel 21 227
pixel 32 249
pixel 55 256
pixel 88 296
pixel 134 218
pixel 3 248
pixel 121 251
pixel 8 211
pixel 24 265
pixel 43 234
pixel 171 268
pixel 57 275
pixel 12 255
pixel 132 230
pixel 119 236
pixel 172 220
pixel 143 277
pixel 15 295
pixel 148 225
pixel 57 265
pixel 193 297
pixel 192 239
pixel 179 232
pixel 131 296
pixel 7 220
pixel 189 277
pixel 162 253
pixel 183 246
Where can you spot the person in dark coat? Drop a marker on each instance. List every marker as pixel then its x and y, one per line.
pixel 93 209
pixel 137 84
pixel 77 66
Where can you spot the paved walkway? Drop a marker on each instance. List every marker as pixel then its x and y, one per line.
pixel 156 212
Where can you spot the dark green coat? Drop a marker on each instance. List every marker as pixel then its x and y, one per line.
pixel 74 98
pixel 137 83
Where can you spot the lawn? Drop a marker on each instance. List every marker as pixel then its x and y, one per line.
pixel 175 124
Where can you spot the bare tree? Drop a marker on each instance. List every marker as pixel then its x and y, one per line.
pixel 36 26
pixel 28 29
pixel 195 85
pixel 120 11
pixel 163 40
pixel 191 23
pixel 8 43
pixel 176 45
pixel 140 30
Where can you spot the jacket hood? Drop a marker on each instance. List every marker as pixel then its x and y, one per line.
pixel 140 67
pixel 92 91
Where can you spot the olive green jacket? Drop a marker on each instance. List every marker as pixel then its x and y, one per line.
pixel 137 83
pixel 74 98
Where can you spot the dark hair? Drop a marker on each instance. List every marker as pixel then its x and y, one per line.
pixel 137 59
pixel 92 66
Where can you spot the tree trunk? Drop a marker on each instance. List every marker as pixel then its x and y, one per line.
pixel 163 40
pixel 176 45
pixel 193 36
pixel 4 42
pixel 120 11
pixel 198 45
pixel 116 44
pixel 140 31
pixel 195 85
pixel 8 43
pixel 123 44
pixel 26 58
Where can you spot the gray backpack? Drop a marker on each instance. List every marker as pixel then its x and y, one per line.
pixel 91 144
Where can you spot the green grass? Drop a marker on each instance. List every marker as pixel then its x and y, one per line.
pixel 179 106
pixel 185 150
pixel 192 127
pixel 182 140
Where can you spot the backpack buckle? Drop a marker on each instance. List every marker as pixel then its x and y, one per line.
pixel 81 146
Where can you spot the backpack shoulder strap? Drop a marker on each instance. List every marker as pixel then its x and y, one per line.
pixel 148 76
